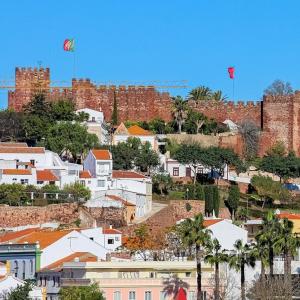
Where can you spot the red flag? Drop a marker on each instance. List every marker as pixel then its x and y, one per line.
pixel 231 72
pixel 181 295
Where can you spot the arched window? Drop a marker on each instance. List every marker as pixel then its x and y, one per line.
pixel 23 269
pixel 16 268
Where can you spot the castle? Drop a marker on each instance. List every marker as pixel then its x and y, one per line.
pixel 278 117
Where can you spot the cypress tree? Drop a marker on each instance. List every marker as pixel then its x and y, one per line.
pixel 216 200
pixel 208 195
pixel 199 192
pixel 233 200
pixel 114 116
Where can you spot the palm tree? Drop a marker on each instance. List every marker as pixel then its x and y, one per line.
pixel 240 260
pixel 194 235
pixel 179 111
pixel 268 236
pixel 216 257
pixel 260 251
pixel 218 96
pixel 288 243
pixel 200 93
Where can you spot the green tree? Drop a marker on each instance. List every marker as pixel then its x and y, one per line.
pixel 200 93
pixel 215 257
pixel 146 159
pixel 194 121
pixel 114 116
pixel 81 117
pixel 35 128
pixel 63 110
pixel 91 292
pixel 216 200
pixel 38 106
pixel 218 96
pixel 233 200
pixel 157 125
pixel 212 200
pixel 71 139
pixel 11 193
pixel 239 260
pixel 11 126
pixel 21 292
pixel 78 190
pixel 179 111
pixel 162 182
pixel 194 235
pixel 190 154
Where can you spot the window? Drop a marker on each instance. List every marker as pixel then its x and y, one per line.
pixel 200 170
pixel 32 161
pixel 148 295
pixel 52 182
pixel 117 295
pixel 31 266
pixel 117 238
pixel 24 181
pixel 91 238
pixel 152 275
pixel 188 274
pixel 82 182
pixel 89 182
pixel 175 171
pixel 16 268
pixel 40 182
pixel 191 295
pixel 162 295
pixel 93 119
pixel 110 241
pixel 131 295
pixel 101 183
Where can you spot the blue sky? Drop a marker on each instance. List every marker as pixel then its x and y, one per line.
pixel 164 40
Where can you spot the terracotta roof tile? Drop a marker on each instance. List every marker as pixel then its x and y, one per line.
pixel 121 130
pixel 137 130
pixel 16 172
pixel 82 256
pixel 3 144
pixel 15 235
pixel 111 231
pixel 85 174
pixel 101 154
pixel 210 222
pixel 21 149
pixel 288 216
pixel 126 174
pixel 45 238
pixel 46 175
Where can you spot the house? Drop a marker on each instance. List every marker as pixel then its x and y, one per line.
pixel 96 124
pixel 138 279
pixel 9 282
pixel 122 134
pixel 56 244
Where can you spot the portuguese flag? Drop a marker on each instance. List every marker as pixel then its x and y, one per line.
pixel 69 45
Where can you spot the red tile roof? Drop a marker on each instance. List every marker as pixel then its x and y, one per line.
pixel 46 175
pixel 137 130
pixel 8 144
pixel 117 198
pixel 126 174
pixel 15 235
pixel 85 174
pixel 101 154
pixel 16 172
pixel 111 231
pixel 210 222
pixel 21 149
pixel 288 216
pixel 82 256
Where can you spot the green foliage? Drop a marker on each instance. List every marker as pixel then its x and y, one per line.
pixel 70 138
pixel 179 111
pixel 91 292
pixel 278 149
pixel 146 158
pixel 201 93
pixel 114 116
pixel 233 199
pixel 11 125
pixel 157 126
pixel 62 110
pixel 162 183
pixel 78 190
pixel 268 189
pixel 212 200
pixel 38 106
pixel 188 206
pixel 21 292
pixel 194 191
pixel 194 121
pixel 11 193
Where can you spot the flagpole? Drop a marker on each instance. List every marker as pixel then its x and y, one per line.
pixel 74 64
pixel 233 89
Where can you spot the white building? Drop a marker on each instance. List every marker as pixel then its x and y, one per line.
pixel 96 124
pixel 122 134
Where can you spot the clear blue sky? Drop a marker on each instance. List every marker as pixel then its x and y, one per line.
pixel 162 40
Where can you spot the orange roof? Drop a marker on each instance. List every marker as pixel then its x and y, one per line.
pixel 46 175
pixel 21 149
pixel 16 172
pixel 85 174
pixel 8 144
pixel 25 163
pixel 117 198
pixel 210 222
pixel 286 215
pixel 137 130
pixel 11 236
pixel 111 231
pixel 126 174
pixel 82 256
pixel 45 238
pixel 101 154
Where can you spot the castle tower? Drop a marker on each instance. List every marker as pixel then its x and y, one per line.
pixel 28 81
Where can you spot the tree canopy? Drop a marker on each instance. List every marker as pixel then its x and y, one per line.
pixel 279 88
pixel 91 292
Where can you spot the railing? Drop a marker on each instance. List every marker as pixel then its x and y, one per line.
pixel 75 282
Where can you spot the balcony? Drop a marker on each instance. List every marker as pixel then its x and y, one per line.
pixel 75 282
